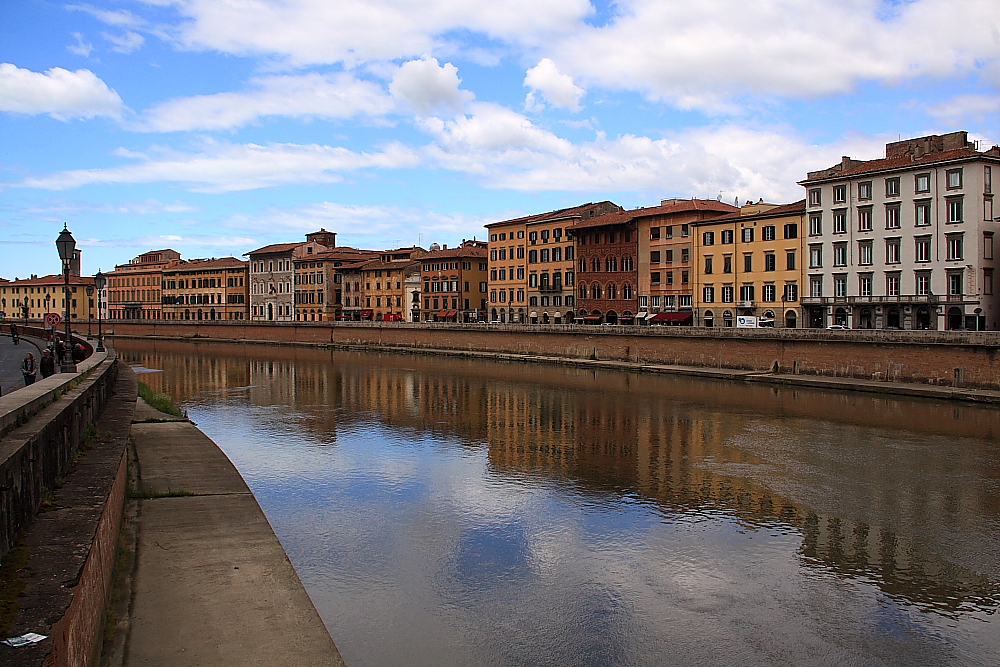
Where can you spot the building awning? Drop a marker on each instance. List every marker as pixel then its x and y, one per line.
pixel 671 317
pixel 626 317
pixel 367 313
pixel 448 313
pixel 591 318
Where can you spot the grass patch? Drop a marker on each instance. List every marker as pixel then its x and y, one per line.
pixel 12 585
pixel 159 402
pixel 150 494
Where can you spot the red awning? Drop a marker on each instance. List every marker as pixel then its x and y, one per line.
pixel 448 313
pixel 367 313
pixel 591 318
pixel 671 317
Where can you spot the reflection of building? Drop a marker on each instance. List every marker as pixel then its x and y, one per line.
pixel 906 241
pixel 206 289
pixel 134 289
pixel 455 283
pixel 750 264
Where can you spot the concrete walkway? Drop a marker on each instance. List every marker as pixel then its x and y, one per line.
pixel 11 357
pixel 213 586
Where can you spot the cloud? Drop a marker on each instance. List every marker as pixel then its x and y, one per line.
pixel 970 106
pixel 330 96
pixel 429 87
pixel 60 209
pixel 58 92
pixel 81 48
pixel 120 19
pixel 223 167
pixel 556 87
pixel 127 42
pixel 229 243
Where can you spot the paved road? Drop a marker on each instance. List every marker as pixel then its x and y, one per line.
pixel 10 362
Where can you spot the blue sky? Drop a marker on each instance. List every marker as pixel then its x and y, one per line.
pixel 217 127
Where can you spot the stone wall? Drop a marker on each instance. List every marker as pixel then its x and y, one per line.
pixel 932 357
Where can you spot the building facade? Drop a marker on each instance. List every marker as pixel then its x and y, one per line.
pixel 206 289
pixel 272 275
pixel 906 241
pixel 33 298
pixel 455 283
pixel 135 291
pixel 607 273
pixel 749 264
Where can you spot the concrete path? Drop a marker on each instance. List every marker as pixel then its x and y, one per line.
pixel 213 586
pixel 11 357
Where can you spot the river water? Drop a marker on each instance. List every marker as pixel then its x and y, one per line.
pixel 460 512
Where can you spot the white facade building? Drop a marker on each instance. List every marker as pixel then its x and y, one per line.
pixel 272 275
pixel 906 241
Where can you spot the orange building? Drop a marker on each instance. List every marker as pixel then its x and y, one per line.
pixel 135 291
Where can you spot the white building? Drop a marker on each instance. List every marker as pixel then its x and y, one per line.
pixel 272 275
pixel 904 241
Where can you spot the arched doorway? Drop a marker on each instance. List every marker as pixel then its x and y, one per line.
pixel 611 317
pixel 534 317
pixel 840 317
pixel 201 315
pixel 545 318
pixel 816 318
pixel 727 318
pixel 791 319
pixel 923 318
pixel 493 316
pixel 955 318
pixel 892 318
pixel 270 311
pixel 865 320
pixel 211 314
pixel 709 318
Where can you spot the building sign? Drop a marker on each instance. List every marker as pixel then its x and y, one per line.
pixel 746 322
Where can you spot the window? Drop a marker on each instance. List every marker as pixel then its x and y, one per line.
pixel 840 285
pixel 892 284
pixel 791 231
pixel 768 293
pixel 840 254
pixel 569 253
pixel 815 225
pixel 864 253
pixel 815 197
pixel 610 264
pixel 669 231
pixel 865 219
pixel 493 237
pixel 654 257
pixel 684 300
pixel 954 177
pixel 815 286
pixel 769 233
pixel 727 264
pixel 839 194
pixel 685 230
pixel 708 238
pixel 654 233
pixel 922 183
pixel 988 208
pixel 746 292
pixel 815 256
pixel 569 278
pixel 545 236
pixel 727 236
pixel 557 234
pixel 654 277
pixel 923 282
pixel 923 213
pixel 790 260
pixel 747 235
pixel 532 256
pixel 770 264
pixel 708 294
pixel 987 245
pixel 987 281
pixel 748 263
pixel 685 254
pixel 627 264
pixel 955 283
pixel 670 277
pixel 791 292
pixel 892 251
pixel 685 277
pixel 955 205
pixel 892 187
pixel 520 234
pixel 922 248
pixel 533 237
pixel 865 284
pixel 865 190
pixel 544 255
pixel 520 253
pixel 727 294
pixel 669 254
pixel 956 248
pixel 708 265
pixel 892 216
pixel 987 180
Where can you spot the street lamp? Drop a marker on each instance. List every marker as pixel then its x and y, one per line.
pixel 66 245
pixel 99 281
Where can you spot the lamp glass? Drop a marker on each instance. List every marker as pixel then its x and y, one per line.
pixel 66 244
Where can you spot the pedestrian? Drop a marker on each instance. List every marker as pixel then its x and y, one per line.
pixel 79 353
pixel 29 369
pixel 47 364
pixel 60 351
pixel 13 333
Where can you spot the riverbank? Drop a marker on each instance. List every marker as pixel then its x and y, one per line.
pixel 212 583
pixel 839 383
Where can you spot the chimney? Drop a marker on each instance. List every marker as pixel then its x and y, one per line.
pixel 444 246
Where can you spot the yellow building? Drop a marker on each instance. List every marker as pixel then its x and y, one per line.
pixel 206 289
pixel 45 295
pixel 750 264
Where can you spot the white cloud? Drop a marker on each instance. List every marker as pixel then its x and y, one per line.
pixel 58 92
pixel 120 19
pixel 331 96
pixel 429 87
pixel 60 209
pixel 556 87
pixel 702 54
pixel 969 106
pixel 126 42
pixel 225 167
pixel 229 244
pixel 81 48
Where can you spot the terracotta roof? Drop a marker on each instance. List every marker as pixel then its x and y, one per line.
pixel 896 163
pixel 54 279
pixel 379 265
pixel 479 253
pixel 560 213
pixel 684 206
pixel 276 247
pixel 344 253
pixel 201 264
pixel 777 211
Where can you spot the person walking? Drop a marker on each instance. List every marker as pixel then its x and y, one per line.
pixel 29 369
pixel 47 364
pixel 60 350
pixel 79 353
pixel 13 333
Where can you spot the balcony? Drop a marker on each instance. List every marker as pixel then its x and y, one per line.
pixel 746 304
pixel 929 299
pixel 544 288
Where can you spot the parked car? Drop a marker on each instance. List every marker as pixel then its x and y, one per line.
pixel 837 327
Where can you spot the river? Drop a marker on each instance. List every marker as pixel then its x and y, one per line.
pixel 445 511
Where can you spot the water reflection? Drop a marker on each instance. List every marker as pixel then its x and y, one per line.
pixel 493 513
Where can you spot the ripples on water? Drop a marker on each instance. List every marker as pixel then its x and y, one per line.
pixel 453 512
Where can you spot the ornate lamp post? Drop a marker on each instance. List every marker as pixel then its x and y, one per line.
pixel 99 281
pixel 66 245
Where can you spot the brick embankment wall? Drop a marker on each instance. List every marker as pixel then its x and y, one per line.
pixel 940 358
